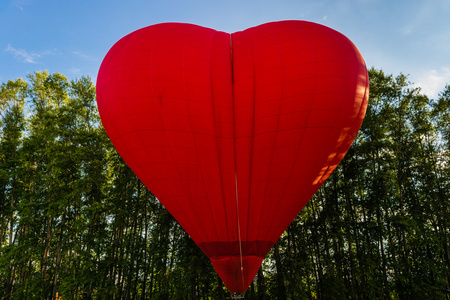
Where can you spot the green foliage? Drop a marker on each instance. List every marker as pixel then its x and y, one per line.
pixel 76 223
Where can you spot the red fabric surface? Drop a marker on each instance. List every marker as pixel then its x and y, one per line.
pixel 233 133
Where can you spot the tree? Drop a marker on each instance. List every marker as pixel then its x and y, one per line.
pixel 12 102
pixel 76 223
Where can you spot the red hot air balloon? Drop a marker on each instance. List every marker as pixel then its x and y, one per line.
pixel 233 133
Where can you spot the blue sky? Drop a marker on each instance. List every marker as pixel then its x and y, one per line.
pixel 72 37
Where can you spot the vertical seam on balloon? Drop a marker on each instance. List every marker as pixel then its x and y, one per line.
pixel 221 175
pixel 278 124
pixel 198 156
pixel 301 141
pixel 199 165
pixel 218 139
pixel 251 149
pixel 167 140
pixel 188 196
pixel 267 182
pixel 235 165
pixel 273 149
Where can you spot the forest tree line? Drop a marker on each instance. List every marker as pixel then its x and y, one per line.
pixel 76 223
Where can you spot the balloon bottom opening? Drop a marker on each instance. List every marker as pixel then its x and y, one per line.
pixel 237 295
pixel 237 273
pixel 236 262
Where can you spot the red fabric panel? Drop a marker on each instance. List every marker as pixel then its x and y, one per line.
pixel 202 116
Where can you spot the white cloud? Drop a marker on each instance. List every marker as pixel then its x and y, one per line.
pixel 432 82
pixel 18 4
pixel 23 55
pixel 426 17
pixel 75 71
pixel 21 4
pixel 407 29
pixel 84 56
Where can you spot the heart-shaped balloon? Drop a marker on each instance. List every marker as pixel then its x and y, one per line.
pixel 233 133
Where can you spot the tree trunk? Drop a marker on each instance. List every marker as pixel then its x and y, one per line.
pixel 45 256
pixel 280 281
pixel 318 253
pixel 261 285
pixel 145 266
pixel 58 257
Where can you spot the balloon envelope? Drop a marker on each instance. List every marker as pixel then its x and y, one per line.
pixel 233 133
